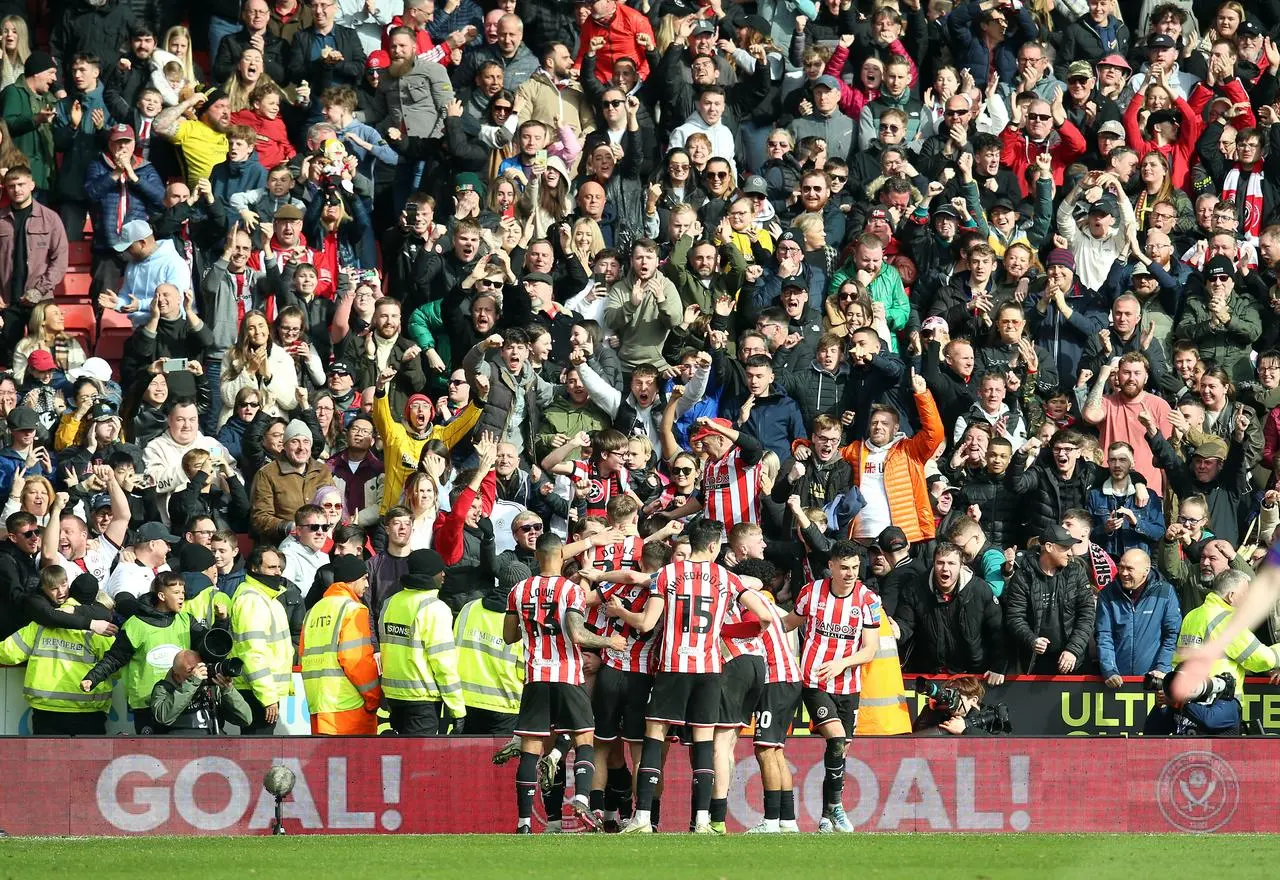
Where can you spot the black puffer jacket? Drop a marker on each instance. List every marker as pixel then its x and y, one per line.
pixel 962 634
pixel 1043 496
pixel 92 30
pixel 1059 608
pixel 1001 513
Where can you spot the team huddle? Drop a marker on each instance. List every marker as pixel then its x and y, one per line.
pixel 685 647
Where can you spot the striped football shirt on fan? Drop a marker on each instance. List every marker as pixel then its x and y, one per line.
pixel 833 628
pixel 603 489
pixel 697 597
pixel 541 604
pixel 731 490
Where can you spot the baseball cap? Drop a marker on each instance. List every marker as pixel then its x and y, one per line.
pixel 99 501
pixel 41 360
pixel 1212 447
pixel 703 27
pixel 288 212
pixel 1056 534
pixel 827 81
pixel 23 418
pixel 538 278
pixel 1158 41
pixel 755 185
pixel 102 411
pixel 1115 61
pixel 378 60
pixel 941 478
pixel 1140 269
pixel 933 323
pixel 468 181
pixel 154 531
pixel 1080 68
pixel 1001 202
pixel 1105 205
pixel 134 230
pixel 1219 267
pixel 877 214
pixel 794 282
pixel 891 540
pixel 340 368
pixel 1248 28
pixel 1113 128
pixel 120 132
pixel 705 431
pixel 944 209
pixel 94 368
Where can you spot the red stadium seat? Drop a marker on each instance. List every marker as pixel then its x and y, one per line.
pixel 80 253
pixel 81 323
pixel 74 288
pixel 114 331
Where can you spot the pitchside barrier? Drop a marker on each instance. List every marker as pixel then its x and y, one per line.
pixel 132 785
pixel 1070 705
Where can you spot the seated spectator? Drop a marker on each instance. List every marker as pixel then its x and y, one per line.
pixel 47 333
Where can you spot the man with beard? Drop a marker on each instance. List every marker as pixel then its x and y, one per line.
pixel 416 90
pixel 385 347
pixel 326 54
pixel 695 269
pixel 203 140
pixel 1191 563
pixel 815 198
pixel 950 621
pixel 1118 413
pixel 551 93
pixel 286 484
pixel 1215 470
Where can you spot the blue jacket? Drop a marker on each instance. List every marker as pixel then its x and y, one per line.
pixel 12 463
pixel 1134 639
pixel 969 49
pixel 775 421
pixel 231 436
pixel 230 178
pixel 145 198
pixel 1143 536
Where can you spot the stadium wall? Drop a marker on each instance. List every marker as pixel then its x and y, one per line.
pixel 134 786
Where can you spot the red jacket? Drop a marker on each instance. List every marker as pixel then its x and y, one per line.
pixel 1181 153
pixel 448 530
pixel 273 140
pixel 1018 153
pixel 619 41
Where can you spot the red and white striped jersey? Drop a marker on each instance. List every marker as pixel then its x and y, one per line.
pixel 731 490
pixel 738 647
pixel 603 489
pixel 541 604
pixel 624 555
pixel 697 597
pixel 639 654
pixel 777 648
pixel 833 628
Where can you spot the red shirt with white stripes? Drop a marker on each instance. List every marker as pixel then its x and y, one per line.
pixel 621 556
pixel 697 596
pixel 734 648
pixel 541 604
pixel 777 648
pixel 833 627
pixel 603 489
pixel 731 490
pixel 639 655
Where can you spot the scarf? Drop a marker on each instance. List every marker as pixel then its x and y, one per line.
pixel 1102 570
pixel 1250 209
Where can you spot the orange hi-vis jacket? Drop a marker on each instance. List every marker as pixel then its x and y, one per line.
pixel 339 672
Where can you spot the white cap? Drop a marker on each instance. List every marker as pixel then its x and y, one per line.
pixel 134 230
pixel 94 368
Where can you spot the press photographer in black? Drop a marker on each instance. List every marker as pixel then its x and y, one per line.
pixel 185 702
pixel 956 708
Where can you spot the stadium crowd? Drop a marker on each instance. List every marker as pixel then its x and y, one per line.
pixel 324 318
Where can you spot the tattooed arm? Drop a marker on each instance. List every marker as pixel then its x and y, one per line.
pixel 585 638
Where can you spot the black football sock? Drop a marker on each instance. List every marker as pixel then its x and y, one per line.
pixel 526 784
pixel 772 804
pixel 788 805
pixel 719 809
pixel 584 770
pixel 704 775
pixel 648 773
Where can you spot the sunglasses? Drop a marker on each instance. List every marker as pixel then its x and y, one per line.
pixel 890 127
pixel 839 178
pixel 316 527
pixel 612 104
pixel 530 528
pixel 717 175
pixel 502 108
pixel 488 282
pixel 1078 80
pixel 679 166
pixel 331 506
pixel 30 533
pixel 682 471
pixel 786 144
pixel 457 382
pixel 960 112
pixel 251 404
pixel 1039 117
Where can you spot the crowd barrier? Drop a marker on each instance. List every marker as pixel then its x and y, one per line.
pixel 1038 706
pixel 132 786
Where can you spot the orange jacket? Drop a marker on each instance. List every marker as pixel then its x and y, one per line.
pixel 355 648
pixel 904 479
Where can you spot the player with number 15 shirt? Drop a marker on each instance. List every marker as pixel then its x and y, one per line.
pixel 697 596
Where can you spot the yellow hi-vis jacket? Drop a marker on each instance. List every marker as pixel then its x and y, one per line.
pixel 338 668
pixel 260 629
pixel 1244 655
pixel 492 671
pixel 57 659
pixel 419 659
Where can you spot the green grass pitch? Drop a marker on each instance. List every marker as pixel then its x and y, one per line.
pixel 663 856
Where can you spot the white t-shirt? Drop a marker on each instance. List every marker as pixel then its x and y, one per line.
pixel 99 556
pixel 875 516
pixel 134 578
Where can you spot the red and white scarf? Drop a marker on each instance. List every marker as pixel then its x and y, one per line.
pixel 1251 215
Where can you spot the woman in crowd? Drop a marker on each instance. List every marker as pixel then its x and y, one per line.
pixel 47 331
pixel 257 362
pixel 15 47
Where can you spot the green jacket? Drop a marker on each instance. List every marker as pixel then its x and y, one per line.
pixel 169 701
pixel 426 328
pixel 885 288
pixel 565 417
pixel 19 106
pixel 728 282
pixel 1226 345
pixel 643 328
pixel 1185 576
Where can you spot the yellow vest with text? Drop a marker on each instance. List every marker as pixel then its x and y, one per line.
pixel 327 686
pixel 492 671
pixel 1244 656
pixel 57 659
pixel 419 659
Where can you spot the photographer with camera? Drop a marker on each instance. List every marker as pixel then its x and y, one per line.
pixel 957 709
pixel 187 699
